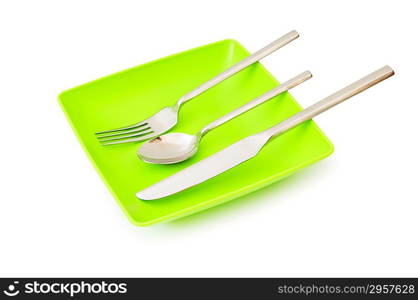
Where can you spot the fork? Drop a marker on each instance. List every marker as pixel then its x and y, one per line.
pixel 167 118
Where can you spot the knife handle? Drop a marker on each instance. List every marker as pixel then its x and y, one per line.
pixel 330 101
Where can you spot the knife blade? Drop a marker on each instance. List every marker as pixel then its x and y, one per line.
pixel 207 168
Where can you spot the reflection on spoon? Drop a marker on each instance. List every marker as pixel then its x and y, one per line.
pixel 169 148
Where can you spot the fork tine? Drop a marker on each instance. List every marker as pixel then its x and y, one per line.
pixel 122 128
pixel 135 130
pixel 137 139
pixel 121 137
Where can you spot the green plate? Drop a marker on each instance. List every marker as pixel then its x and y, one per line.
pixel 135 94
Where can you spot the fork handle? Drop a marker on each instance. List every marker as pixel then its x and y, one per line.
pixel 257 101
pixel 330 101
pixel 277 44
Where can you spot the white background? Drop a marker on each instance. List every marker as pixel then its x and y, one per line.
pixel 353 214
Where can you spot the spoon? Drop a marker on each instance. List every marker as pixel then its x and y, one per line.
pixel 176 147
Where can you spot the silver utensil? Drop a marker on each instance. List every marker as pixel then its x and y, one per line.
pixel 166 118
pixel 175 147
pixel 249 147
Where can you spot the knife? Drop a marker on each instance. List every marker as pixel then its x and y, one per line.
pixel 249 147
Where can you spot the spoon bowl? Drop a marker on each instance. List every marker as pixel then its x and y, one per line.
pixel 169 148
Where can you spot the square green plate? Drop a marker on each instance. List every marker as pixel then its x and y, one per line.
pixel 135 94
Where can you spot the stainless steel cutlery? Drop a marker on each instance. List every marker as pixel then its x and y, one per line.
pixel 175 147
pixel 166 118
pixel 249 147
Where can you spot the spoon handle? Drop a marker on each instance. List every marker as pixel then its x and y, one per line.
pixel 257 101
pixel 270 48
pixel 330 101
